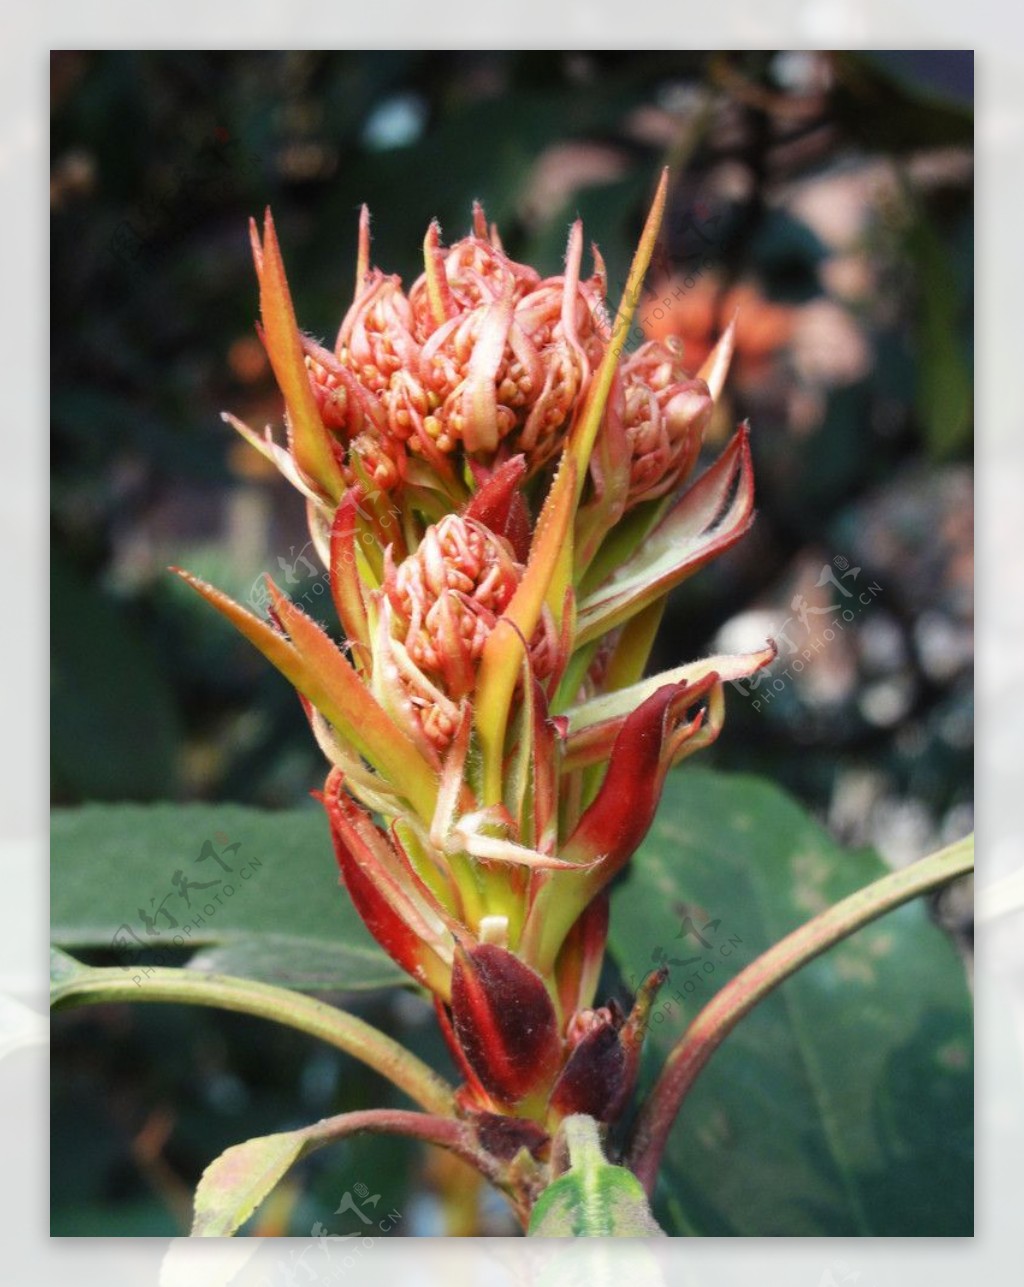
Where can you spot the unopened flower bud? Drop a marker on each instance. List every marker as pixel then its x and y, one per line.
pixel 599 1074
pixel 444 601
pixel 505 1023
pixel 665 414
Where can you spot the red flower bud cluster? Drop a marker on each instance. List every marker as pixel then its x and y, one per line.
pixel 467 450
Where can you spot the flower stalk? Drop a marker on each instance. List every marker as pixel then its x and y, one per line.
pixel 82 985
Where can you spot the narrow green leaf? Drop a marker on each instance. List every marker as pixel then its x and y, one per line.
pixel 706 520
pixel 550 566
pixel 501 663
pixel 89 986
pixel 323 674
pixel 580 445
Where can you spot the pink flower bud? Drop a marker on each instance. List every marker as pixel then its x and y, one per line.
pixel 664 414
pixel 443 602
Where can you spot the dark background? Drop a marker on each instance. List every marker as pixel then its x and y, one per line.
pixel 829 196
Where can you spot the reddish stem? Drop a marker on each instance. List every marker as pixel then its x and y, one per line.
pixel 446 1132
pixel 718 1018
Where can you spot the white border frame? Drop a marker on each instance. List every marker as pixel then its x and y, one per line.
pixel 26 1253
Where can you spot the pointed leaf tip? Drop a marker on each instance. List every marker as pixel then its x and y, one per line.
pixel 715 366
pixel 310 661
pixel 311 442
pixel 583 436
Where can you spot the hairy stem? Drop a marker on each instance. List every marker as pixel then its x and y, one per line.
pixel 445 1132
pixel 718 1018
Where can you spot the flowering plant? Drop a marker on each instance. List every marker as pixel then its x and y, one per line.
pixel 503 498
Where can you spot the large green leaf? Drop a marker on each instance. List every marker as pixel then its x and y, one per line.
pixel 843 1104
pixel 286 921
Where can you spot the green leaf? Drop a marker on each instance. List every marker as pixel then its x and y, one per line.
pixel 234 1184
pixel 286 919
pixel 302 964
pixel 843 1103
pixel 593 1199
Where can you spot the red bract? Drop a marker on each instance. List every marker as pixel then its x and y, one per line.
pixel 600 1073
pixel 505 1023
pixel 398 910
